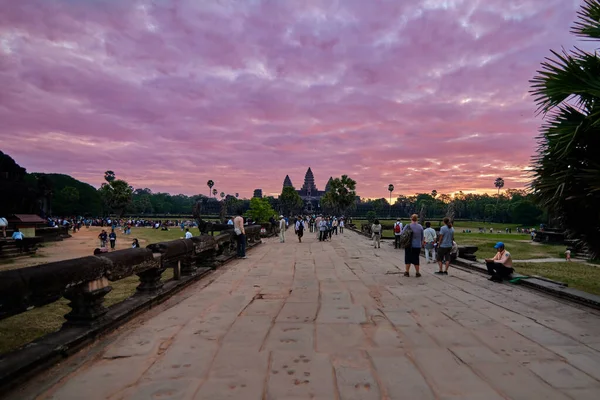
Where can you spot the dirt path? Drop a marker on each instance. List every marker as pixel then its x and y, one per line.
pixel 81 244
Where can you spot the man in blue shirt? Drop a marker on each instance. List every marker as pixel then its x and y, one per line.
pixel 18 238
pixel 445 246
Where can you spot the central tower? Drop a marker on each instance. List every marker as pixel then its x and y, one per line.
pixel 309 183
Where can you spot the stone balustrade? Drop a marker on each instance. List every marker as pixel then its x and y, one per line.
pixel 86 280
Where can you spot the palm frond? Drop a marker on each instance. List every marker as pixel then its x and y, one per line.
pixel 588 25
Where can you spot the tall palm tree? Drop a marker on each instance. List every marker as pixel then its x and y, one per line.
pixel 237 195
pixel 566 170
pixel 215 191
pixel 499 183
pixel 390 189
pixel 210 184
pixel 222 195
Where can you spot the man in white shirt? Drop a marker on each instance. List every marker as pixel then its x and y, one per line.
pixel 318 226
pixel 188 234
pixel 238 227
pixel 397 232
pixel 429 237
pixel 282 228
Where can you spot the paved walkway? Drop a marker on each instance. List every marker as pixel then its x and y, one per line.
pixel 326 321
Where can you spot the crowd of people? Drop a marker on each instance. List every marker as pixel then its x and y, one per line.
pixel 323 226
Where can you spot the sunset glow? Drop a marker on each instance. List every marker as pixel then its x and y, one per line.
pixel 425 94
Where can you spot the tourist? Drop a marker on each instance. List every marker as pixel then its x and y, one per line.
pixel 429 236
pixel 188 234
pixel 103 236
pixel 376 234
pixel 413 252
pixel 3 225
pixel 135 244
pixel 322 230
pixel 318 226
pixel 300 229
pixel 568 255
pixel 341 224
pixel 397 233
pixel 501 265
pixel 113 239
pixel 238 227
pixel 335 225
pixel 445 246
pixel 281 229
pixel 18 236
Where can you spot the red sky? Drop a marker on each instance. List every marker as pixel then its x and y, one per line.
pixel 423 94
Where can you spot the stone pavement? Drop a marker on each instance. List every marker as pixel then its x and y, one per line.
pixel 326 321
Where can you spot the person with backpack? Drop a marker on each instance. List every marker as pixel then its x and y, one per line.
pixel 376 234
pixel 299 229
pixel 397 232
pixel 445 246
pixel 412 239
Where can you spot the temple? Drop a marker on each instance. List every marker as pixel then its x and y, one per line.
pixel 309 191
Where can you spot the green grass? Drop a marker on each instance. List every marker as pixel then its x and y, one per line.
pixel 519 245
pixel 23 328
pixel 156 235
pixel 576 275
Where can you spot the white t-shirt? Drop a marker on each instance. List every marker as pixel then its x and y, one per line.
pixel 188 235
pixel 398 233
pixel 429 235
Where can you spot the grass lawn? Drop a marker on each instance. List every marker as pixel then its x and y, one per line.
pixel 23 328
pixel 576 275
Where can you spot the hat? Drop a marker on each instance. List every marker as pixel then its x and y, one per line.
pixel 498 245
pixel 281 216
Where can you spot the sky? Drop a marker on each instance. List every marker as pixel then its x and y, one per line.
pixel 422 94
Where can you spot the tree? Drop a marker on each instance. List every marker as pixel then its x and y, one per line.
pixel 237 195
pixel 525 212
pixel 210 184
pixel 291 202
pixel 67 198
pixel 390 189
pixel 260 210
pixel 116 195
pixel 567 169
pixel 109 176
pixel 341 195
pixel 215 191
pixel 499 183
pixel 222 195
pixel 434 193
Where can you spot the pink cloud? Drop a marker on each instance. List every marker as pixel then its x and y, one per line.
pixel 422 94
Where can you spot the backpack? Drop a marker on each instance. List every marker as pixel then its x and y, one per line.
pixel 397 228
pixel 406 237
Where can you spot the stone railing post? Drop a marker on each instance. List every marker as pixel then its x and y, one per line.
pixel 189 266
pixel 150 281
pixel 87 302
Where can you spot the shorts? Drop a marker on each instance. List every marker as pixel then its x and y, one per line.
pixel 443 254
pixel 300 232
pixel 411 255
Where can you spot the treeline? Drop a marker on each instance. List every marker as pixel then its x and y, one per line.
pixel 510 206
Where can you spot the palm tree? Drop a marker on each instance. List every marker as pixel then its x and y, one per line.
pixel 499 183
pixel 434 193
pixel 222 195
pixel 566 170
pixel 390 189
pixel 210 184
pixel 109 176
pixel 237 195
pixel 215 192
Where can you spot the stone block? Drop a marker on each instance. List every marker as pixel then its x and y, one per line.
pixel 300 375
pixel 291 336
pixel 331 313
pixel 399 377
pixel 298 312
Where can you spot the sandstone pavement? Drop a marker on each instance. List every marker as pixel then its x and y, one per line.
pixel 335 320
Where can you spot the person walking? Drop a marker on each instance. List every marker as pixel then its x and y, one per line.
pixel 282 227
pixel 322 230
pixel 335 225
pixel 318 226
pixel 397 232
pixel 103 236
pixel 429 238
pixel 341 224
pixel 299 229
pixel 445 246
pixel 112 237
pixel 238 227
pixel 376 234
pixel 3 225
pixel 18 236
pixel 412 253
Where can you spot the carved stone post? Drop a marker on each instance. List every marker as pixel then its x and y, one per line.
pixel 150 280
pixel 86 302
pixel 189 266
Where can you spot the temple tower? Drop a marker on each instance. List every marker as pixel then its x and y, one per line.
pixel 309 184
pixel 287 181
